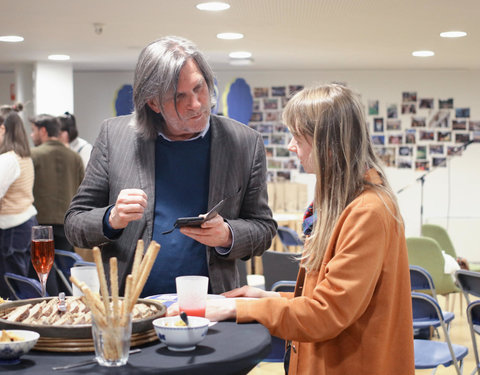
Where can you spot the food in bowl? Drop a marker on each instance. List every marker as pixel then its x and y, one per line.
pixel 11 351
pixel 178 336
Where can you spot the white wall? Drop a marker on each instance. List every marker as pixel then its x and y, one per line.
pixel 450 194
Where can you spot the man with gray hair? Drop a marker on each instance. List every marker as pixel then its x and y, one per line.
pixel 173 158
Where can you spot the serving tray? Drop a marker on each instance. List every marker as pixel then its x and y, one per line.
pixel 77 338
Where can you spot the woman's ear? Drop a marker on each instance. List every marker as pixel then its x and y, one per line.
pixel 154 105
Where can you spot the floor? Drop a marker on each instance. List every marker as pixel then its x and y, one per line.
pixel 459 333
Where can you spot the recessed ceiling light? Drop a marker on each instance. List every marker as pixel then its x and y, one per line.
pixel 230 36
pixel 59 57
pixel 213 6
pixel 423 53
pixel 11 38
pixel 453 34
pixel 240 55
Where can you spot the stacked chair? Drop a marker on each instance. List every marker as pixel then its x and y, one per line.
pixel 288 237
pixel 23 287
pixel 469 282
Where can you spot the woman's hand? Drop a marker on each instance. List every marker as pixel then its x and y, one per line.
pixel 251 292
pixel 216 310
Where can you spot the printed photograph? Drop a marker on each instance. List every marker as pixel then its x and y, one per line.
pixel 256 117
pixel 284 101
pixel 476 136
pixel 274 163
pixel 378 140
pixel 293 89
pixel 378 124
pixel 439 162
pixel 409 96
pixel 270 103
pixel 462 137
pixel 266 139
pixel 392 110
pixel 439 119
pixel 256 106
pixel 283 176
pixel 373 107
pixel 445 103
pixel 462 112
pixel 435 149
pixel 474 126
pixel 405 151
pixel 395 139
pixel 278 139
pixel 459 124
pixel 404 162
pixel 394 124
pixel 260 92
pixel 387 155
pixel 290 164
pixel 426 103
pixel 421 152
pixel 269 152
pixel 409 108
pixel 265 128
pixel 272 116
pixel 280 128
pixel 282 152
pixel 418 122
pixel 410 136
pixel 444 136
pixel 279 91
pixel 422 166
pixel 454 150
pixel 426 135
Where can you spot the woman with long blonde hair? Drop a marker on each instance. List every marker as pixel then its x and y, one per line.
pixel 351 309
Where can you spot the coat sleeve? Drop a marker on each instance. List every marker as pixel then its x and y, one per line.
pixel 340 297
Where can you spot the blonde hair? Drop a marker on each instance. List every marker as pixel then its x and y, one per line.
pixel 332 118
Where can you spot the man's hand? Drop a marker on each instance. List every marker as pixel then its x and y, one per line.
pixel 214 232
pixel 130 206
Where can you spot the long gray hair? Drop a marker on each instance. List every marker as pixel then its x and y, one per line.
pixel 156 75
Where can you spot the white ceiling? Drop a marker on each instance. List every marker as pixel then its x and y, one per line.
pixel 281 34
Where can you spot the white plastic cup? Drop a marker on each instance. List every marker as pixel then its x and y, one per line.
pixel 192 294
pixel 87 274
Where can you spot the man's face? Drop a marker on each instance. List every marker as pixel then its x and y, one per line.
pixel 193 105
pixel 35 134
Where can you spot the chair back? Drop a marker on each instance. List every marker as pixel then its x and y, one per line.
pixel 242 271
pixel 426 354
pixel 440 235
pixel 279 266
pixel 23 287
pixel 421 280
pixel 64 260
pixel 473 315
pixel 426 253
pixel 469 282
pixel 289 237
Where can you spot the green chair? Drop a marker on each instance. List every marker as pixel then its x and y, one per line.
pixel 439 234
pixel 426 252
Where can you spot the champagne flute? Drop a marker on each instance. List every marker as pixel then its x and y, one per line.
pixel 42 253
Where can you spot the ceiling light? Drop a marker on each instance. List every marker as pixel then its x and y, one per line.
pixel 423 53
pixel 11 38
pixel 213 6
pixel 230 36
pixel 453 34
pixel 59 57
pixel 241 62
pixel 240 55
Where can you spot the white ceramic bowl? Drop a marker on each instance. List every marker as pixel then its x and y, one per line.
pixel 10 352
pixel 181 338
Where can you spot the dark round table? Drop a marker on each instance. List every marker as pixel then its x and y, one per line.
pixel 229 348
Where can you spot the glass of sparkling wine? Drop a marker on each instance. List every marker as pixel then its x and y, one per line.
pixel 42 253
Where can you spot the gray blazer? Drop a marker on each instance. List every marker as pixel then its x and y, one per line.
pixel 122 159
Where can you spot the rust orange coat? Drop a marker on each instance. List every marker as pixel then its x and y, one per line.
pixel 354 315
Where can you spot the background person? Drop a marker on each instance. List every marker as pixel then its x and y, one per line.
pixel 351 311
pixel 69 135
pixel 58 173
pixel 173 158
pixel 17 213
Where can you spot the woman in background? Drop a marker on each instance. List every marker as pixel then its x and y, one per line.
pixel 17 213
pixel 351 309
pixel 69 136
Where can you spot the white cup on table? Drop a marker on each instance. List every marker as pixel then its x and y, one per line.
pixel 87 274
pixel 192 294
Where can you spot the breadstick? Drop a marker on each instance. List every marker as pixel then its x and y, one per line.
pixel 149 259
pixel 114 289
pixel 137 260
pixel 126 300
pixel 103 283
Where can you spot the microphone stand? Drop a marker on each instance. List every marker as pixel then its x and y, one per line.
pixel 421 179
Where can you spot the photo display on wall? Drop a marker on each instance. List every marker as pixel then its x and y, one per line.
pixel 418 132
pixel 424 134
pixel 268 103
